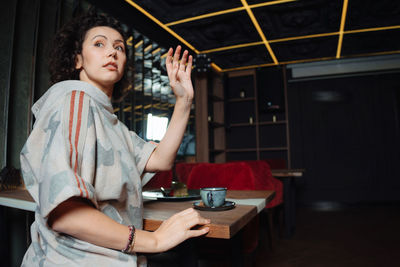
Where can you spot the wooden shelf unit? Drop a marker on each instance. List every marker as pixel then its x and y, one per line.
pixel 250 133
pixel 229 124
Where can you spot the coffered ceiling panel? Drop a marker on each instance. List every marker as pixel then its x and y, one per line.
pixel 255 55
pixel 168 11
pixel 218 31
pixel 371 42
pixel 299 18
pixel 364 14
pixel 240 34
pixel 306 49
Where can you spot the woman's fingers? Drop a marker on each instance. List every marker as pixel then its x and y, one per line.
pixel 178 228
pixel 190 218
pixel 179 72
pixel 169 56
pixel 199 232
pixel 168 61
pixel 183 60
pixel 194 219
pixel 173 63
pixel 189 65
pixel 176 55
pixel 186 211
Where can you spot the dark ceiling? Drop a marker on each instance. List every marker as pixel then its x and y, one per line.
pixel 237 34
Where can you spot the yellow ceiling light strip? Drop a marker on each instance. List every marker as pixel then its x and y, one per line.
pixel 162 25
pixel 374 29
pixel 342 23
pixel 260 32
pixel 231 47
pixel 227 11
pixel 216 67
pixel 249 67
pixel 281 63
pixel 303 37
pixel 307 60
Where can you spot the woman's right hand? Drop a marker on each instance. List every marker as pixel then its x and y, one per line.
pixel 178 228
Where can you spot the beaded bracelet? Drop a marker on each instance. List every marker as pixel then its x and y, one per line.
pixel 131 239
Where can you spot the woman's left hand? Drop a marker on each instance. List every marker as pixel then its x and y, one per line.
pixel 179 73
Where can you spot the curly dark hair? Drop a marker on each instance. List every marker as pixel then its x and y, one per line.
pixel 67 44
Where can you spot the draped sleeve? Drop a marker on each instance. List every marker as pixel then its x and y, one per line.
pixel 57 161
pixel 142 153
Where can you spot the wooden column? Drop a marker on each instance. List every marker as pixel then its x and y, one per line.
pixel 201 122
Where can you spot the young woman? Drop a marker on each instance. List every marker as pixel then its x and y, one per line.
pixel 85 169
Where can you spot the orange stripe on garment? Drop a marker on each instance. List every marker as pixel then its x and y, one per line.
pixel 71 124
pixel 78 129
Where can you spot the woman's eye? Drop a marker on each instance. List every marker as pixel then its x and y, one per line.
pixel 120 48
pixel 98 44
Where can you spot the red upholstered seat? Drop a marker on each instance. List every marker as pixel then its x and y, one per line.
pixel 183 169
pixel 265 181
pixel 232 175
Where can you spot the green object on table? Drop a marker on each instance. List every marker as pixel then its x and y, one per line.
pixel 178 189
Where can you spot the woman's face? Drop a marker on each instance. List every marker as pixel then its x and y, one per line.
pixel 103 58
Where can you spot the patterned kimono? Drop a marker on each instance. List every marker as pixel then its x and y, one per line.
pixel 79 148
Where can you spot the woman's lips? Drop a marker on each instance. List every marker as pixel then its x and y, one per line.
pixel 111 66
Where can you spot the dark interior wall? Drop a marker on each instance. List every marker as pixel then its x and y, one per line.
pixel 26 28
pixel 345 133
pixel 7 18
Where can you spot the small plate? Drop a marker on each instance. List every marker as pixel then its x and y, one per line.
pixel 227 206
pixel 156 194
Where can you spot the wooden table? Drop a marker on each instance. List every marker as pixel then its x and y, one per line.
pixel 289 197
pixel 224 224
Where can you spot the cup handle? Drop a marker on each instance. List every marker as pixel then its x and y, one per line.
pixel 210 199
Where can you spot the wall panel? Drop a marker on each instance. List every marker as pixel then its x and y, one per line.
pixel 7 18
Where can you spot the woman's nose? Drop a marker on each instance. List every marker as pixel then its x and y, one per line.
pixel 112 53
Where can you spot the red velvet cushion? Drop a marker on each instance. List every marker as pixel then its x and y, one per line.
pixel 232 175
pixel 183 170
pixel 265 181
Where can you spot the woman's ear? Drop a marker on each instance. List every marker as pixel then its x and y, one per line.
pixel 78 61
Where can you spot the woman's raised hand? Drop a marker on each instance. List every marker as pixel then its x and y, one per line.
pixel 179 73
pixel 178 228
